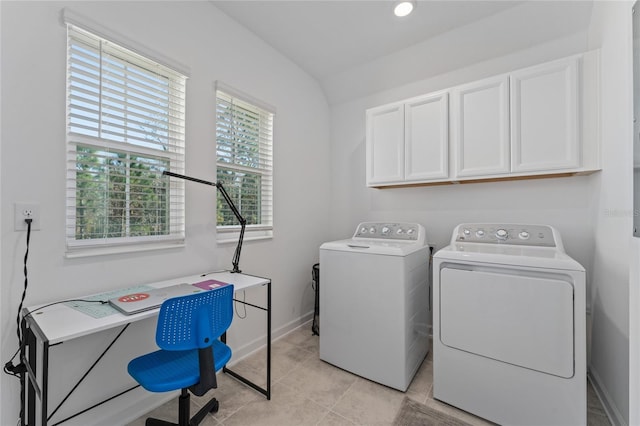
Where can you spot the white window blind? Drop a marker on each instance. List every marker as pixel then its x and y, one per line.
pixel 125 126
pixel 244 142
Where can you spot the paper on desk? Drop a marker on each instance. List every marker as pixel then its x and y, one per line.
pixel 99 310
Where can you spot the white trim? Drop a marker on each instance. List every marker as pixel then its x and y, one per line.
pixel 249 235
pixel 614 415
pixel 634 332
pixel 69 16
pixel 258 343
pixel 223 87
pixel 168 152
pixel 249 228
pixel 230 101
pixel 245 239
pixel 78 253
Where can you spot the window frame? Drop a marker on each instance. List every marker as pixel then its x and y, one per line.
pixel 230 233
pixel 172 152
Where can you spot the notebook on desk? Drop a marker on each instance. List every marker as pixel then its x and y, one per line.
pixel 210 284
pixel 150 299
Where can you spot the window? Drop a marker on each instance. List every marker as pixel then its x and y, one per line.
pixel 244 145
pixel 125 126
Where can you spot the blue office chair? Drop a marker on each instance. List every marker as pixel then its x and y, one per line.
pixel 190 352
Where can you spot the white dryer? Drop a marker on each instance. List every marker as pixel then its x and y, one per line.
pixel 509 339
pixel 374 302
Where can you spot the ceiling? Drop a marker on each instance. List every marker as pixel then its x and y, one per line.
pixel 327 38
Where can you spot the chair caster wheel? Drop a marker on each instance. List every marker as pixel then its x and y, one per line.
pixel 214 408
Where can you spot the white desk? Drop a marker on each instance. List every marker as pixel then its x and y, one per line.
pixel 59 323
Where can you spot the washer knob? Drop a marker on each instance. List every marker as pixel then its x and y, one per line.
pixel 502 234
pixel 480 233
pixel 466 232
pixel 372 230
pixel 385 230
pixel 524 235
pixel 411 231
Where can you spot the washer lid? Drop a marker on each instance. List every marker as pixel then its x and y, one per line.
pixel 374 246
pixel 385 238
pixel 498 254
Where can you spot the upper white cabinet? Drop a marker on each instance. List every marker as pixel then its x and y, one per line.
pixel 545 117
pixel 385 144
pixel 408 141
pixel 480 121
pixel 427 137
pixel 542 120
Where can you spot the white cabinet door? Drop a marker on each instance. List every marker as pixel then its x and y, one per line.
pixel 427 137
pixel 385 144
pixel 544 117
pixel 480 116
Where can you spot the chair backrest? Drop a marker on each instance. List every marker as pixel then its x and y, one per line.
pixel 196 320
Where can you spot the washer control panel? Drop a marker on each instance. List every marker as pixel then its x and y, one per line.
pixel 524 235
pixel 390 231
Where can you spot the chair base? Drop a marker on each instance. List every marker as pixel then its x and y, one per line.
pixel 183 412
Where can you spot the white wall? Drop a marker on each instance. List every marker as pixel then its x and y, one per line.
pixel 213 47
pixel 612 189
pixel 518 27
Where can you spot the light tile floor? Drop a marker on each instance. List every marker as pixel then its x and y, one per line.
pixel 308 391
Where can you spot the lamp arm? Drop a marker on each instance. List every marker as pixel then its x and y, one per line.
pixel 243 224
pixel 167 173
pixel 232 206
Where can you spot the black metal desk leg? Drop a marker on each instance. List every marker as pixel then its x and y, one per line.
pixel 269 340
pixel 45 381
pixel 267 390
pixel 29 393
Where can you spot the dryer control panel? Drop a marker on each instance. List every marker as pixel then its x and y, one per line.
pixel 521 235
pixel 394 231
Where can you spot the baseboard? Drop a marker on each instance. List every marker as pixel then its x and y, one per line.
pixel 245 350
pixel 615 417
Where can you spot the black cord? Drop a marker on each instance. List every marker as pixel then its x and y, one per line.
pixel 12 370
pixel 243 315
pixel 16 370
pixel 9 368
pixel 26 281
pixel 19 370
pixel 102 302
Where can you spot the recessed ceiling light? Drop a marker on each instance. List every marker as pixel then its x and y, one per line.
pixel 403 8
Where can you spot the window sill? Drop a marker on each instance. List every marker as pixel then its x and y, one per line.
pixel 82 252
pixel 232 238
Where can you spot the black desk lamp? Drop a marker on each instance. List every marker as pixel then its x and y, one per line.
pixel 242 220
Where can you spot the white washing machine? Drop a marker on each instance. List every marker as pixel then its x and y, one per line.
pixel 509 339
pixel 374 302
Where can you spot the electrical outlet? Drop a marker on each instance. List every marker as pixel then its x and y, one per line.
pixel 27 211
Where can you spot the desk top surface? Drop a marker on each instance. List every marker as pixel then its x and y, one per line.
pixel 60 322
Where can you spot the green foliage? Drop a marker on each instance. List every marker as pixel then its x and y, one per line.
pixel 120 195
pixel 245 190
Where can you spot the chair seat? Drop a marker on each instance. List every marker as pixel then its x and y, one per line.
pixel 163 371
